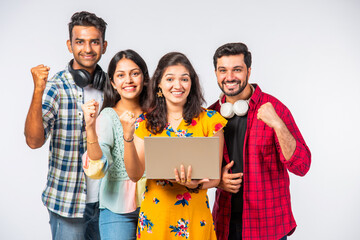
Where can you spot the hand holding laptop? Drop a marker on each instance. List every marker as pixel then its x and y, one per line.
pixel 185 179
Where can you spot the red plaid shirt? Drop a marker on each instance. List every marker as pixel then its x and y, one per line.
pixel 267 209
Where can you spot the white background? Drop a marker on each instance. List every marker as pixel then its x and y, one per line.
pixel 306 53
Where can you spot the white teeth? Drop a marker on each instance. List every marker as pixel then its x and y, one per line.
pixel 129 88
pixel 177 93
pixel 231 84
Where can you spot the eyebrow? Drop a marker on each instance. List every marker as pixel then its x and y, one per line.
pixel 130 70
pixel 97 39
pixel 184 74
pixel 220 67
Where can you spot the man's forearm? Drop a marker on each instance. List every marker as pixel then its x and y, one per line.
pixel 286 140
pixel 34 128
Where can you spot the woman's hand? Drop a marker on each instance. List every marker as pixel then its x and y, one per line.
pixel 90 110
pixel 133 147
pixel 185 179
pixel 128 120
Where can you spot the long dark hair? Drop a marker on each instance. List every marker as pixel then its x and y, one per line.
pixel 156 107
pixel 111 96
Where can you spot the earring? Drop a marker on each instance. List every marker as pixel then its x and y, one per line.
pixel 159 93
pixel 115 88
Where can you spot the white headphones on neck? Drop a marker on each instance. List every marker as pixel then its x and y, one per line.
pixel 240 107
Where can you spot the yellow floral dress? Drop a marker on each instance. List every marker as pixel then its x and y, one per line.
pixel 169 210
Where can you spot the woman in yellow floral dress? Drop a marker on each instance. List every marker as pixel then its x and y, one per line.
pixel 173 209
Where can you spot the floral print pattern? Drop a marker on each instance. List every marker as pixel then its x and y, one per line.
pixel 187 132
pixel 144 223
pixel 179 133
pixel 181 229
pixel 164 183
pixel 210 113
pixel 193 123
pixel 146 190
pixel 139 120
pixel 183 133
pixel 169 129
pixel 218 127
pixel 169 210
pixel 183 199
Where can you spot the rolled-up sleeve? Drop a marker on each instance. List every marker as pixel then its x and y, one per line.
pixel 50 107
pixel 300 161
pixel 97 168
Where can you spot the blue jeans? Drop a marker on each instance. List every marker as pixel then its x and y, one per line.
pixel 63 228
pixel 118 226
pixel 91 217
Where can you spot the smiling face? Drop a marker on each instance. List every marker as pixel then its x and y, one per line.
pixel 176 84
pixel 128 79
pixel 87 46
pixel 232 74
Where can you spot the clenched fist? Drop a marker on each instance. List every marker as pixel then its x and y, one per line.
pixel 40 75
pixel 268 115
pixel 90 110
pixel 128 120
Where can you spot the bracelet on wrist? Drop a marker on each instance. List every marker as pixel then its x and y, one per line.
pixel 92 142
pixel 128 140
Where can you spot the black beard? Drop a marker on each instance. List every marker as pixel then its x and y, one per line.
pixel 242 87
pixel 238 91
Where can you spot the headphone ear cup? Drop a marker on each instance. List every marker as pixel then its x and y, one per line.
pixel 99 78
pixel 240 108
pixel 81 77
pixel 226 110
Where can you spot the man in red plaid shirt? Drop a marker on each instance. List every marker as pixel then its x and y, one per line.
pixel 262 142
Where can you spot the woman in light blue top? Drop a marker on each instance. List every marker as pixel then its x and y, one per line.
pixel 120 197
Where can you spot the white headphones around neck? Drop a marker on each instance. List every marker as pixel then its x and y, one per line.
pixel 240 107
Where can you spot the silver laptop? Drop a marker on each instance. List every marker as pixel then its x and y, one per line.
pixel 163 154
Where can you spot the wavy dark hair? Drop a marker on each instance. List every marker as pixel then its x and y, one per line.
pixel 111 96
pixel 231 49
pixel 156 107
pixel 87 19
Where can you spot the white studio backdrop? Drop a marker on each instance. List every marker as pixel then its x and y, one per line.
pixel 305 53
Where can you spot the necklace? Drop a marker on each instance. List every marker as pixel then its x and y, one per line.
pixel 176 119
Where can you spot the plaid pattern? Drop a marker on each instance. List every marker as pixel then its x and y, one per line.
pixel 267 209
pixel 65 191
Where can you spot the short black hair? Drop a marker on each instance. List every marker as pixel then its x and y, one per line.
pixel 231 49
pixel 87 19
